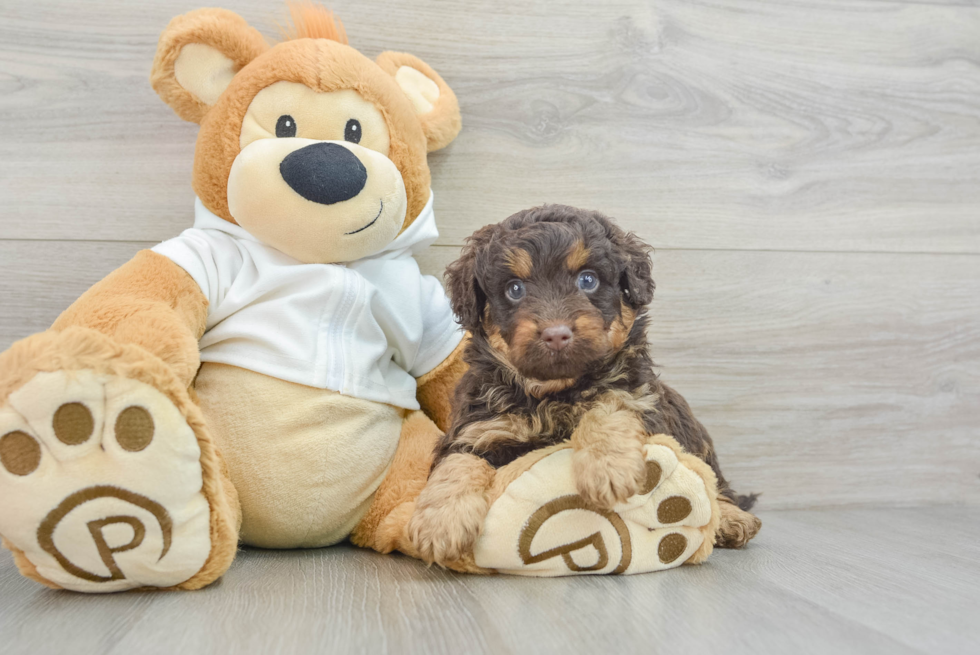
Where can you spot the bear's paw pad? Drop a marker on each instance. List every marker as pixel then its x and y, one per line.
pixel 101 483
pixel 540 525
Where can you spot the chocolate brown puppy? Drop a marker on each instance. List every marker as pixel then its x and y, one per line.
pixel 555 299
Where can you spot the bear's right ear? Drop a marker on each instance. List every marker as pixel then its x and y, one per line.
pixel 434 102
pixel 198 55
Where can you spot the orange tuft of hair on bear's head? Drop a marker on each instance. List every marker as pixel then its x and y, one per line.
pixel 313 21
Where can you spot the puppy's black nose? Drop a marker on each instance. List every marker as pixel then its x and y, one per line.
pixel 324 173
pixel 557 337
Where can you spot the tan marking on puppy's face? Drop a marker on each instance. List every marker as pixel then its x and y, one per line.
pixel 498 343
pixel 525 334
pixel 620 328
pixel 578 256
pixel 519 262
pixel 590 327
pixel 313 178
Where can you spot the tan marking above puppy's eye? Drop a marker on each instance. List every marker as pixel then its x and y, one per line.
pixel 519 262
pixel 578 256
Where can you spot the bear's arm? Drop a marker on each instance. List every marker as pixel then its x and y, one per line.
pixel 150 302
pixel 437 387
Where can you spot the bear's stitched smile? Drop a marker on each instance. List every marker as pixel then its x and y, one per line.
pixel 375 220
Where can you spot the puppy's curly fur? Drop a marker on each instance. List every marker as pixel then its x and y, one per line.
pixel 555 299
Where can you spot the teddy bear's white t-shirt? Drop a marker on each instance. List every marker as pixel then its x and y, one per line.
pixel 367 328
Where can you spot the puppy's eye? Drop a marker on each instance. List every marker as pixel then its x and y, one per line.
pixel 352 131
pixel 515 290
pixel 588 281
pixel 285 127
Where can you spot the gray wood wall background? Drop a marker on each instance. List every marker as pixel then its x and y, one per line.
pixel 808 171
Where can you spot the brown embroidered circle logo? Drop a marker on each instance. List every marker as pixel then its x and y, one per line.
pixel 45 532
pixel 564 504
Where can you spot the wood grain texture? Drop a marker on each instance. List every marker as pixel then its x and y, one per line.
pixel 850 581
pixel 846 125
pixel 825 379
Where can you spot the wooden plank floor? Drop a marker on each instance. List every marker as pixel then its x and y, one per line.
pixel 816 581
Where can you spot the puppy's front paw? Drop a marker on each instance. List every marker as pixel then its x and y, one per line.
pixel 445 531
pixel 608 478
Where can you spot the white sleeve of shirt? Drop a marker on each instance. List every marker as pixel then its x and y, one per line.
pixel 440 333
pixel 208 256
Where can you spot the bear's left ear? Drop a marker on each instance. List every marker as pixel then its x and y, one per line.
pixel 434 102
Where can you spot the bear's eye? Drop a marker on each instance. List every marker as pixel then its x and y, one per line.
pixel 515 290
pixel 588 281
pixel 352 131
pixel 285 127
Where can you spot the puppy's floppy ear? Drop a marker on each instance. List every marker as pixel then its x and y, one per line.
pixel 198 55
pixel 434 102
pixel 465 294
pixel 637 279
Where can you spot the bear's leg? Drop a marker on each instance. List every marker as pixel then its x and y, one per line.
pixel 109 477
pixel 384 527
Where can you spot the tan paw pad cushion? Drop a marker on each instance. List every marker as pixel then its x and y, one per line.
pixel 103 481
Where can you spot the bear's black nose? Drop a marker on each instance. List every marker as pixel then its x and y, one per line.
pixel 324 172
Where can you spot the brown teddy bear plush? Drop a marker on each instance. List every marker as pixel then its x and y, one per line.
pixel 278 374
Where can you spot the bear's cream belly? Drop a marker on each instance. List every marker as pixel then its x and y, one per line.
pixel 306 462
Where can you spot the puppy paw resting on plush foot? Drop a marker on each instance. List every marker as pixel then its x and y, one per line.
pixel 609 464
pixel 608 479
pixel 449 513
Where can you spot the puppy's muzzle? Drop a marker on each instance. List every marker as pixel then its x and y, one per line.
pixel 324 173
